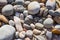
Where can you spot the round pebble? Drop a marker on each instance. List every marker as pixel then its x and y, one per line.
pixel 33 7
pixel 7 32
pixel 32 26
pixel 27 38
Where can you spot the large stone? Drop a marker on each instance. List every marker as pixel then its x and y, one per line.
pixel 33 7
pixel 7 32
pixel 7 10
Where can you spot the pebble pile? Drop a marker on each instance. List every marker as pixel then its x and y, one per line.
pixel 29 19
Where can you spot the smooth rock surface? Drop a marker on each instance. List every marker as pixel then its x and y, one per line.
pixel 7 32
pixel 7 10
pixel 33 7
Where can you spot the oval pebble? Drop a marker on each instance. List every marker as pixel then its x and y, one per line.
pixel 7 10
pixel 39 26
pixel 32 26
pixel 48 23
pixel 33 7
pixel 27 38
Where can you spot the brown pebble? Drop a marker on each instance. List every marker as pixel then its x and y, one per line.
pixel 3 19
pixel 27 38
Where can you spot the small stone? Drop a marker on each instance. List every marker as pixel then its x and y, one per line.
pixel 17 34
pixel 29 33
pixel 22 34
pixel 49 16
pixel 49 34
pixel 50 4
pixel 27 2
pixel 19 8
pixel 35 31
pixel 11 22
pixel 18 24
pixel 48 23
pixel 32 26
pixel 7 32
pixel 0 23
pixel 25 12
pixel 7 10
pixel 33 7
pixel 27 38
pixel 39 26
pixel 19 2
pixel 21 16
pixel 26 26
pixel 10 1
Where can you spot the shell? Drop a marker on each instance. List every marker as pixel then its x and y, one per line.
pixel 33 7
pixel 18 24
pixel 39 26
pixel 3 19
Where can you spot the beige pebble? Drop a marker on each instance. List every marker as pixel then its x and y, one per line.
pixel 22 34
pixel 32 26
pixel 35 31
pixel 39 26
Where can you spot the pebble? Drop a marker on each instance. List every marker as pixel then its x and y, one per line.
pixel 26 26
pixel 56 30
pixel 18 24
pixel 19 8
pixel 22 34
pixel 49 35
pixel 51 4
pixel 10 1
pixel 3 2
pixel 27 2
pixel 0 23
pixel 29 33
pixel 57 20
pixel 7 10
pixel 7 32
pixel 21 16
pixel 48 23
pixel 3 19
pixel 11 22
pixel 32 26
pixel 33 7
pixel 39 26
pixel 17 34
pixel 25 12
pixel 18 39
pixel 37 32
pixel 19 2
pixel 27 38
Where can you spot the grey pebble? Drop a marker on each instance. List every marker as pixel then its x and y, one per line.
pixel 7 32
pixel 7 10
